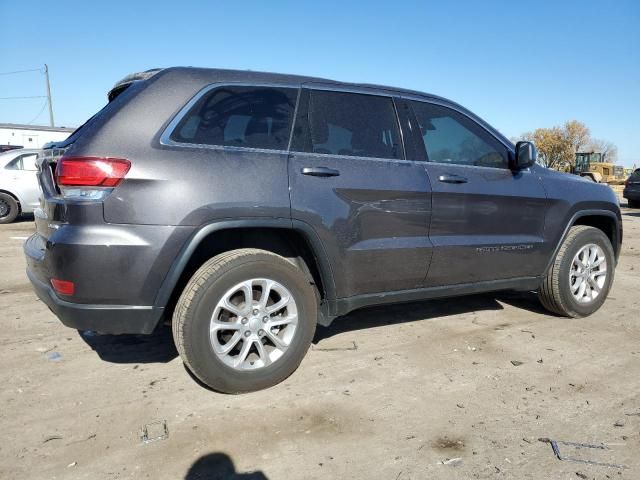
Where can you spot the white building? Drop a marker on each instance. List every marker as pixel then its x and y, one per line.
pixel 31 136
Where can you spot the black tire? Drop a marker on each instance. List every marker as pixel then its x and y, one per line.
pixel 192 316
pixel 633 203
pixel 9 209
pixel 555 294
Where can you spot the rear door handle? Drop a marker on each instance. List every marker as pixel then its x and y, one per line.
pixel 320 172
pixel 450 178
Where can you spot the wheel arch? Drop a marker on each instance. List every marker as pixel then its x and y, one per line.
pixel 294 240
pixel 604 220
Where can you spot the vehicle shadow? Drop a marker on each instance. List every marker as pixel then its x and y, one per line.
pixel 426 310
pixel 159 347
pixel 24 217
pixel 155 348
pixel 219 466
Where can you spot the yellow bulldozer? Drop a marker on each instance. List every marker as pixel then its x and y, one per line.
pixel 591 165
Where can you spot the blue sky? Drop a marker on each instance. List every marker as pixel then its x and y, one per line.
pixel 519 65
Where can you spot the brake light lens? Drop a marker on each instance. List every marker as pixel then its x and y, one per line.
pixel 63 287
pixel 91 171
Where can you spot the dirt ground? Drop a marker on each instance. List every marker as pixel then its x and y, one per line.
pixel 423 390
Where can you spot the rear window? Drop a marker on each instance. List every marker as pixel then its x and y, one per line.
pixel 252 117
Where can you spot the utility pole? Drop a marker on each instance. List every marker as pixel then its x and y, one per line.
pixel 46 74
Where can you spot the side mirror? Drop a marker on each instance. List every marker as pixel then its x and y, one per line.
pixel 525 156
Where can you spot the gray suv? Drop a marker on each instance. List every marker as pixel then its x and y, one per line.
pixel 245 208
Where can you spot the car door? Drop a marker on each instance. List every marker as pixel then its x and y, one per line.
pixel 350 182
pixel 487 221
pixel 21 172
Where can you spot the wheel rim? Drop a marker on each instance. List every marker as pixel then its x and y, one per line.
pixel 5 208
pixel 253 324
pixel 588 273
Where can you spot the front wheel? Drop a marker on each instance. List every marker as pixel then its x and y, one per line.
pixel 581 275
pixel 245 320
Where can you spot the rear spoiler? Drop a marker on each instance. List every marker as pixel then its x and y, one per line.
pixel 123 84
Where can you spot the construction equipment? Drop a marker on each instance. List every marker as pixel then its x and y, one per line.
pixel 591 165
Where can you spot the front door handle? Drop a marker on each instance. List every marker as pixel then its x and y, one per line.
pixel 320 172
pixel 450 178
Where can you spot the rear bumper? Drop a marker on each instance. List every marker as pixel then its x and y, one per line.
pixel 114 319
pixel 117 271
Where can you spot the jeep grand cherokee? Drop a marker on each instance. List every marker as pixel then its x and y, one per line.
pixel 248 207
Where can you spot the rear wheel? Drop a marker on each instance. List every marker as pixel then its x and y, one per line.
pixel 245 320
pixel 8 208
pixel 579 280
pixel 633 203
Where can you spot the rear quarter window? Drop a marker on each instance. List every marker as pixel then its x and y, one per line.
pixel 251 117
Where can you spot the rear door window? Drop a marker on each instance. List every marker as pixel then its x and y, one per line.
pixel 450 137
pixel 352 124
pixel 252 117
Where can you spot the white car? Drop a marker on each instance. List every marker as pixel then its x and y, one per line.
pixel 19 190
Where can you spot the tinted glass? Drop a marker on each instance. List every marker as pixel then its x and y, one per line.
pixel 353 124
pixel 15 164
pixel 450 137
pixel 255 117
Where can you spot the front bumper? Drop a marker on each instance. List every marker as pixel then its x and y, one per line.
pixel 114 319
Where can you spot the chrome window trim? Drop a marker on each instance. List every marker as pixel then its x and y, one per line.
pixel 358 157
pixel 347 89
pixel 165 137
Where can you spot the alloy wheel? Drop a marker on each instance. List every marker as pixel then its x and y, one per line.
pixel 253 324
pixel 588 273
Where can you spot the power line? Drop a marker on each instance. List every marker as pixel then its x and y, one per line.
pixel 22 98
pixel 44 72
pixel 22 71
pixel 44 104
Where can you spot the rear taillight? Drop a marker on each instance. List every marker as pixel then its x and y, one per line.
pixel 91 171
pixel 90 178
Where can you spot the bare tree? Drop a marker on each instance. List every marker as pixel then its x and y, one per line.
pixel 557 146
pixel 577 134
pixel 608 149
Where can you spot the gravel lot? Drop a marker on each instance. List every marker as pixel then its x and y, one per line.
pixel 389 393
